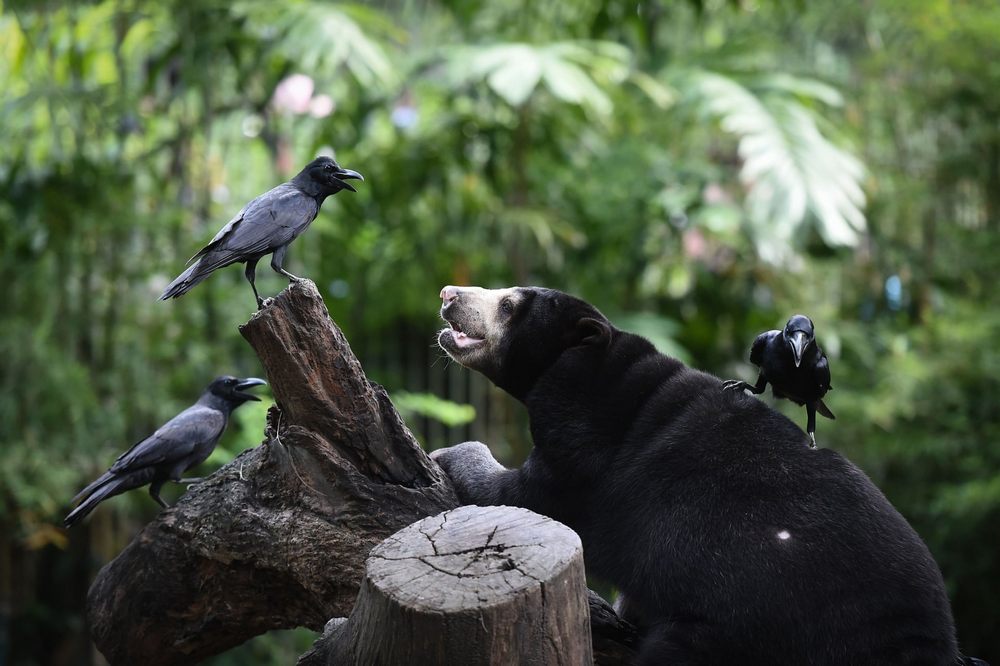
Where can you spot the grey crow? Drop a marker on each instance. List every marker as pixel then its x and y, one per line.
pixel 178 445
pixel 267 225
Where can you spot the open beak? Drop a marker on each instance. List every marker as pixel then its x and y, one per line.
pixel 248 383
pixel 798 342
pixel 348 174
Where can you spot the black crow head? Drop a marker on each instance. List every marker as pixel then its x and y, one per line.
pixel 231 388
pixel 799 334
pixel 326 177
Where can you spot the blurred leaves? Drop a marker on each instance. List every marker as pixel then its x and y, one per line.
pixel 427 404
pixel 793 174
pixel 324 37
pixel 661 331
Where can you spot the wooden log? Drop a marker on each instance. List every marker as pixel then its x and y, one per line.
pixel 616 642
pixel 471 586
pixel 277 538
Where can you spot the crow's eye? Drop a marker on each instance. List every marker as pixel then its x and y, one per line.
pixel 230 382
pixel 329 167
pixel 507 305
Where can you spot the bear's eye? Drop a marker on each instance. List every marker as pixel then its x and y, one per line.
pixel 507 305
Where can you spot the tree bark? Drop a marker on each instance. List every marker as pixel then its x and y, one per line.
pixel 473 586
pixel 277 538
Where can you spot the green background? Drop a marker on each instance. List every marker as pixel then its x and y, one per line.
pixel 698 170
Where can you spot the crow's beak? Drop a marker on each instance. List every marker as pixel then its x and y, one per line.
pixel 348 174
pixel 247 383
pixel 798 342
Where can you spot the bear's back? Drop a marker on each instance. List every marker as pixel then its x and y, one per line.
pixel 734 520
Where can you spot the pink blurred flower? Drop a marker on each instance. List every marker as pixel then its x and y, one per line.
pixel 715 194
pixel 293 94
pixel 695 244
pixel 321 106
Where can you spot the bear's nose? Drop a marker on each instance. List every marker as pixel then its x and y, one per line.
pixel 448 294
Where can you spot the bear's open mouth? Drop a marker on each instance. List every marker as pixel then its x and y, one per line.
pixel 462 339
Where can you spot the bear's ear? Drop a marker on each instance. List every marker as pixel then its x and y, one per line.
pixel 591 331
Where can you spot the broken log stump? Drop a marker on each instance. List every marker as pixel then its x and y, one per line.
pixel 474 586
pixel 277 538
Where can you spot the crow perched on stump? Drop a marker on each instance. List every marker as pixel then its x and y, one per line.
pixel 267 224
pixel 178 445
pixel 796 367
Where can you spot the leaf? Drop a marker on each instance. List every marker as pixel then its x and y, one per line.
pixel 662 95
pixel 517 75
pixel 427 404
pixel 321 37
pixel 569 84
pixel 573 72
pixel 656 328
pixel 801 87
pixel 793 175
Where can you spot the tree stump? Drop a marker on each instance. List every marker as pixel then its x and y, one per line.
pixel 472 586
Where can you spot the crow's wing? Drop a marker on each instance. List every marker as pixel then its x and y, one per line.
pixel 223 232
pixel 821 373
pixel 268 222
pixel 759 345
pixel 174 440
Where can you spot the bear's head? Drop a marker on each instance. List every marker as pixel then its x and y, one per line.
pixel 513 335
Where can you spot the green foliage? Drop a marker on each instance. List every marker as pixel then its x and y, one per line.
pixel 699 170
pixel 791 171
pixel 427 404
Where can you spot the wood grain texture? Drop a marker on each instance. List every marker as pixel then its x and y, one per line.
pixel 475 585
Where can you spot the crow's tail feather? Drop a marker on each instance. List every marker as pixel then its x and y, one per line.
pixel 824 410
pixel 183 282
pixel 107 486
pixel 101 480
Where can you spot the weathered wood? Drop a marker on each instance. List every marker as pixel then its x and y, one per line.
pixel 471 586
pixel 616 642
pixel 277 538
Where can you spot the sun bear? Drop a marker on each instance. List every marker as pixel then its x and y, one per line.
pixel 730 539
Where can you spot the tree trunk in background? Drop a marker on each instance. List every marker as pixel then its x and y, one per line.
pixel 278 538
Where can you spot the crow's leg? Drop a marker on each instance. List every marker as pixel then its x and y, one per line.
pixel 188 482
pixel 250 272
pixel 154 492
pixel 277 259
pixel 811 424
pixel 739 385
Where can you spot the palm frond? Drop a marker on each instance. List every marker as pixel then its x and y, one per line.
pixel 793 174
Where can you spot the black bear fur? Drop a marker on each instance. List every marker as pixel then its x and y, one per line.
pixel 731 540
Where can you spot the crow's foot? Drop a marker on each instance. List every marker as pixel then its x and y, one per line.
pixel 736 385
